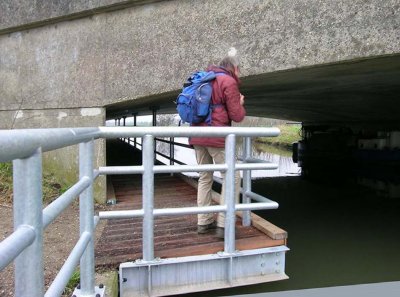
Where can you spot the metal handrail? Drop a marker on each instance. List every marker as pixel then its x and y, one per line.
pixel 229 166
pixel 175 143
pixel 25 148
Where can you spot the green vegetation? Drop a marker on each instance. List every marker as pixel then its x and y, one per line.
pixel 289 134
pixel 273 149
pixel 72 283
pixel 51 187
pixel 5 183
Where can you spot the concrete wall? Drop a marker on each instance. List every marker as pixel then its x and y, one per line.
pixel 149 49
pixel 32 13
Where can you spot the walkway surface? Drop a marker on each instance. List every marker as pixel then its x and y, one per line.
pixel 121 240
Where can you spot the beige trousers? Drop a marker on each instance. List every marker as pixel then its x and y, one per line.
pixel 210 155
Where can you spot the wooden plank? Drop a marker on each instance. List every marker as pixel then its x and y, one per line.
pixel 267 227
pixel 256 242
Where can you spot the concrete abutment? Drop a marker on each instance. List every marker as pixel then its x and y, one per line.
pixel 63 163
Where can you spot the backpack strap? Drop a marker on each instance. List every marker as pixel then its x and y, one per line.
pixel 213 106
pixel 218 104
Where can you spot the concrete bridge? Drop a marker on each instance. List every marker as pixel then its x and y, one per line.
pixel 78 63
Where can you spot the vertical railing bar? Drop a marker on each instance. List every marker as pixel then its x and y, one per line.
pixel 124 123
pixel 171 152
pixel 246 219
pixel 148 197
pixel 28 205
pixel 154 123
pixel 86 215
pixel 229 244
pixel 134 124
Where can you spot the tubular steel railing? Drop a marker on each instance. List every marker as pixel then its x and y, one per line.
pixel 25 148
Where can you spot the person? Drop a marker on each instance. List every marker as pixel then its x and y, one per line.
pixel 228 106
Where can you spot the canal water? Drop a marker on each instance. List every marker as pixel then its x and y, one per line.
pixel 339 233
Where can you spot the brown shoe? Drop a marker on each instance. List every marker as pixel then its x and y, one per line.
pixel 202 229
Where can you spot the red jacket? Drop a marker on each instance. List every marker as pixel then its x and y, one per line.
pixel 226 96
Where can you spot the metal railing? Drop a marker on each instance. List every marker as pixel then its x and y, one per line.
pixel 25 148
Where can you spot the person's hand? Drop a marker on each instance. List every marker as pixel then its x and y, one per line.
pixel 241 99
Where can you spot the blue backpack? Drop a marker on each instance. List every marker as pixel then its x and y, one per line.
pixel 194 103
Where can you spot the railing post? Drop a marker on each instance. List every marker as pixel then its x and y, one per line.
pixel 134 124
pixel 86 215
pixel 230 160
pixel 171 151
pixel 154 117
pixel 246 219
pixel 148 197
pixel 28 205
pixel 124 124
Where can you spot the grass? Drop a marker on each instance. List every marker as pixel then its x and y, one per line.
pixel 72 283
pixel 289 135
pixel 51 187
pixel 5 183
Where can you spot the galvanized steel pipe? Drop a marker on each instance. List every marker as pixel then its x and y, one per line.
pixel 58 285
pixel 14 244
pixel 230 149
pixel 137 213
pixel 148 197
pixel 119 132
pixel 257 197
pixel 27 179
pixel 109 170
pixel 53 210
pixel 18 144
pixel 246 219
pixel 86 218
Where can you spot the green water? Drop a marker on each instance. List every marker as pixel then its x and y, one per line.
pixel 339 234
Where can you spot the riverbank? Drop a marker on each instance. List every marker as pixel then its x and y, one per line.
pixel 289 135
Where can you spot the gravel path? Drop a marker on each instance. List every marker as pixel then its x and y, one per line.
pixel 59 239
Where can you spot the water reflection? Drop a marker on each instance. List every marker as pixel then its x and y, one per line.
pixel 272 154
pixel 269 153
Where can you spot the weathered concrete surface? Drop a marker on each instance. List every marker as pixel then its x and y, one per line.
pixel 25 14
pixel 52 118
pixel 148 50
pixel 63 163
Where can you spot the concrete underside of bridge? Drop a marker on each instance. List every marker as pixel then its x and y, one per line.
pixel 362 92
pixel 78 63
